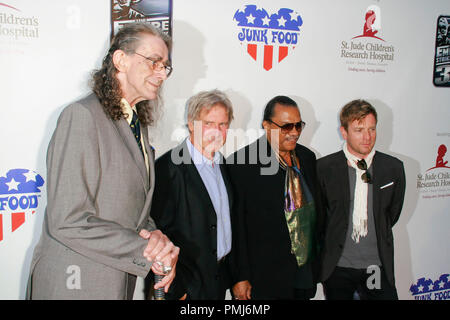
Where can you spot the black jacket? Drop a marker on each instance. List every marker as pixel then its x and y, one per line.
pixel 262 247
pixel 388 194
pixel 184 212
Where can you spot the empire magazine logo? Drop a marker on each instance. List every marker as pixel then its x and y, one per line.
pixel 268 38
pixel 156 12
pixel 368 51
pixel 19 199
pixel 435 181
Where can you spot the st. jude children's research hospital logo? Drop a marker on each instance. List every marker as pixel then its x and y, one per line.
pixel 435 182
pixel 19 199
pixel 16 25
pixel 368 51
pixel 268 38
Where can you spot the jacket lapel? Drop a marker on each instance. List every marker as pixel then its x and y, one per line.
pixel 228 186
pixel 341 174
pixel 194 176
pixel 376 174
pixel 306 170
pixel 130 143
pixel 151 159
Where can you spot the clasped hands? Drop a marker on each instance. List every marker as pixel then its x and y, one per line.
pixel 163 254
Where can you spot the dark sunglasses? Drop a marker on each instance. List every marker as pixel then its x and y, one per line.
pixel 299 126
pixel 362 165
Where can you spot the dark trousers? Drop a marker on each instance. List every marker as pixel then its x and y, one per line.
pixel 344 282
pixel 223 277
pixel 222 283
pixel 304 294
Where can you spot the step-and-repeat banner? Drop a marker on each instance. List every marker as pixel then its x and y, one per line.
pixel 323 53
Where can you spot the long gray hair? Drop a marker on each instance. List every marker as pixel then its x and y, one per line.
pixel 105 84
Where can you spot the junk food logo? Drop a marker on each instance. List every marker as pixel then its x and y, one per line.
pixel 20 192
pixel 268 38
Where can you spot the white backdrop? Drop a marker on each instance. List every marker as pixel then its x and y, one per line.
pixel 48 49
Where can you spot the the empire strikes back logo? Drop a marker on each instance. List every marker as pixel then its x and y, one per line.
pixel 156 12
pixel 427 289
pixel 268 38
pixel 441 76
pixel 19 199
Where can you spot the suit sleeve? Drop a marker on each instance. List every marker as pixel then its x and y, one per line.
pixel 241 264
pixel 321 206
pixel 167 212
pixel 74 216
pixel 399 195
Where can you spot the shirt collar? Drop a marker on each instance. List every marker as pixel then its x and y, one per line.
pixel 198 158
pixel 127 109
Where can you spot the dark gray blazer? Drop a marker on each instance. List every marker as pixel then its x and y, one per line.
pixel 334 188
pixel 183 210
pixel 99 195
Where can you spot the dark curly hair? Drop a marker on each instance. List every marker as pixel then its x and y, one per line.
pixel 104 81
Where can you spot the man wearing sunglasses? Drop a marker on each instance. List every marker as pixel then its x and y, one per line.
pixel 274 237
pixel 362 192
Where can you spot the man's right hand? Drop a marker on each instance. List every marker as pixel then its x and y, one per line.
pixel 162 253
pixel 242 290
pixel 158 246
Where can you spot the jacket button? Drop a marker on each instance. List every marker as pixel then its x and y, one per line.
pixel 213 226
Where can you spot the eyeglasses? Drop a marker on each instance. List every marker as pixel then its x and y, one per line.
pixel 157 65
pixel 299 126
pixel 362 165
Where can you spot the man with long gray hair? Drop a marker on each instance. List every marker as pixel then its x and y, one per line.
pixel 97 235
pixel 193 198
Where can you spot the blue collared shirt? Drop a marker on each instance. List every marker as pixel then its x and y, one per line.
pixel 212 179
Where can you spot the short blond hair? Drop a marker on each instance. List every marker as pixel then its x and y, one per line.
pixel 356 110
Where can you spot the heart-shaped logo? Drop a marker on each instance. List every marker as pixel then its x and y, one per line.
pixel 268 38
pixel 19 198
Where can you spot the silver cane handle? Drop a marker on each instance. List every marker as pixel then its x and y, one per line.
pixel 159 293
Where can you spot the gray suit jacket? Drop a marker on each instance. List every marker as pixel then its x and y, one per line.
pixel 98 199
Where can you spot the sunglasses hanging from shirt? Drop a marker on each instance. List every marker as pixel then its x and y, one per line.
pixel 362 165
